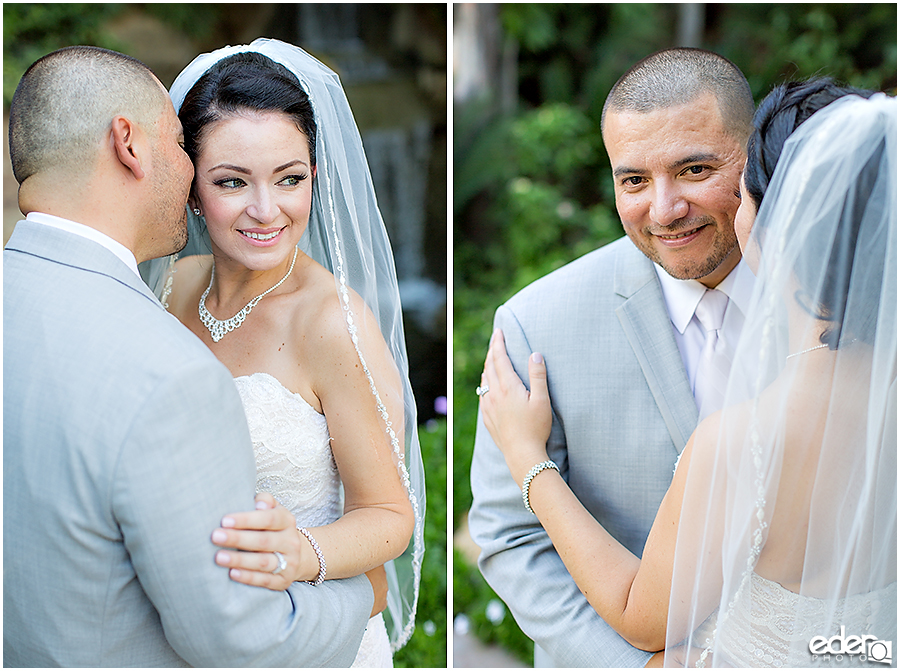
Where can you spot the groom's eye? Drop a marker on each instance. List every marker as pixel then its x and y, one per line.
pixel 695 170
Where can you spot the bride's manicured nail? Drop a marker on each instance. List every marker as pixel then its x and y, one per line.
pixel 537 358
pixel 228 522
pixel 219 536
pixel 262 505
pixel 222 558
pixel 235 573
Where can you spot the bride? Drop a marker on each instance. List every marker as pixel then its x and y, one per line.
pixel 297 296
pixel 776 542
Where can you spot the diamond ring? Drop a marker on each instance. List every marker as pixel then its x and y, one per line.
pixel 282 563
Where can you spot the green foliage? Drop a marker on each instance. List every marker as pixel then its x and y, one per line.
pixel 428 646
pixel 854 43
pixel 32 30
pixel 472 598
pixel 196 20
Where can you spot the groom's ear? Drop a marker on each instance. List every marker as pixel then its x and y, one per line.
pixel 125 136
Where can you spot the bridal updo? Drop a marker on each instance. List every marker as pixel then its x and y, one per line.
pixel 778 116
pixel 246 81
pixel 824 268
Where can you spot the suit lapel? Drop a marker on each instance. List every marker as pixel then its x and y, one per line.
pixel 648 329
pixel 73 250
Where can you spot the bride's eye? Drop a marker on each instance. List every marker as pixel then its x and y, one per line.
pixel 229 182
pixel 292 180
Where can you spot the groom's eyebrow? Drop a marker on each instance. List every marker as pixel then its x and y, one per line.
pixel 694 158
pixel 680 163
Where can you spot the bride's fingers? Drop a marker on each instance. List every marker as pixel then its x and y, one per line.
pixel 260 578
pixel 264 501
pixel 274 519
pixel 505 372
pixel 287 542
pixel 537 376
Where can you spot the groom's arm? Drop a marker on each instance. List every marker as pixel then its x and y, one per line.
pixel 187 462
pixel 517 558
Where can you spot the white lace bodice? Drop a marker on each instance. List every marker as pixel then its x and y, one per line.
pixel 292 446
pixel 295 464
pixel 770 626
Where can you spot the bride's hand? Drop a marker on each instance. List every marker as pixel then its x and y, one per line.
pixel 255 537
pixel 518 420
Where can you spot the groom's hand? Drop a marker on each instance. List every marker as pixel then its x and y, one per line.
pixel 378 578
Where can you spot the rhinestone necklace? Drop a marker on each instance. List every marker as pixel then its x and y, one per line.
pixel 218 328
pixel 817 347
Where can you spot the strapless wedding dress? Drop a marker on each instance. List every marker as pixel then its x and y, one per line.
pixel 294 463
pixel 763 630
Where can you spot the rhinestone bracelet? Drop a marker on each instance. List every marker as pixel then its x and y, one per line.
pixel 315 546
pixel 526 484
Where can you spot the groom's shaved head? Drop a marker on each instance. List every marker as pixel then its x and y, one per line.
pixel 680 76
pixel 66 101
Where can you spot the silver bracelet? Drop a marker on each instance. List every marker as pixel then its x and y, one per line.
pixel 315 546
pixel 526 483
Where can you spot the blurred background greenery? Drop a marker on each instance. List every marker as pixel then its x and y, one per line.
pixel 392 59
pixel 532 188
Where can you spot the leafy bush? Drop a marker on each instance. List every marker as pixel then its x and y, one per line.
pixel 32 30
pixel 428 646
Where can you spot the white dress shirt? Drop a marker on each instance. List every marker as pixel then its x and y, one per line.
pixel 75 228
pixel 682 297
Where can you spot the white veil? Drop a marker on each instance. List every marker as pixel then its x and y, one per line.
pixel 788 533
pixel 347 236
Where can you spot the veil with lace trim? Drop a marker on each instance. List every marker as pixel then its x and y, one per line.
pixel 346 234
pixel 787 544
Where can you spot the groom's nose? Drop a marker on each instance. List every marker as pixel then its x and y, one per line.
pixel 667 204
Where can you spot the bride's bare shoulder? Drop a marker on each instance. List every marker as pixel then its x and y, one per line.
pixel 188 281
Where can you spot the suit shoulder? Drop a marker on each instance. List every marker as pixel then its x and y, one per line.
pixel 593 272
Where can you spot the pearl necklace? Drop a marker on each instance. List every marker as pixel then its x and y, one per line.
pixel 218 328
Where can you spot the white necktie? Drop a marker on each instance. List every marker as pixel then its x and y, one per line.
pixel 715 359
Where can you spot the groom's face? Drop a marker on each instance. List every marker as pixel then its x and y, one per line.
pixel 677 173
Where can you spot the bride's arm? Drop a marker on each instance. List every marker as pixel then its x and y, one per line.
pixel 630 594
pixel 378 519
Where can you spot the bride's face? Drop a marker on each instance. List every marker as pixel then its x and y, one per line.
pixel 743 225
pixel 254 183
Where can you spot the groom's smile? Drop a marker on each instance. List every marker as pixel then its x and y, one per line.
pixel 676 172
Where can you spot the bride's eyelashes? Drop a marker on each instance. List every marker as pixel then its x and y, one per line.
pixel 229 182
pixel 293 180
pixel 237 182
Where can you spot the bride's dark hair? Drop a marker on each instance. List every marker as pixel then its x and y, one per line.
pixel 246 81
pixel 777 117
pixel 823 273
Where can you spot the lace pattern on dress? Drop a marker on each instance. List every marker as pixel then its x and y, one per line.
pixel 295 464
pixel 292 446
pixel 770 626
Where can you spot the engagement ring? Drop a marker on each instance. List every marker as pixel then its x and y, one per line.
pixel 481 391
pixel 282 563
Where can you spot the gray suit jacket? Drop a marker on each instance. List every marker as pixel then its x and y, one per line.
pixel 623 411
pixel 124 444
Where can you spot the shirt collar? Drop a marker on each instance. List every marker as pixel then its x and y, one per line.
pixel 682 296
pixel 126 255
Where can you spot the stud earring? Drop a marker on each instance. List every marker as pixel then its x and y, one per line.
pixel 197 211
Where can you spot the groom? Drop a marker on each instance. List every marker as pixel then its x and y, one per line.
pixel 124 439
pixel 623 343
